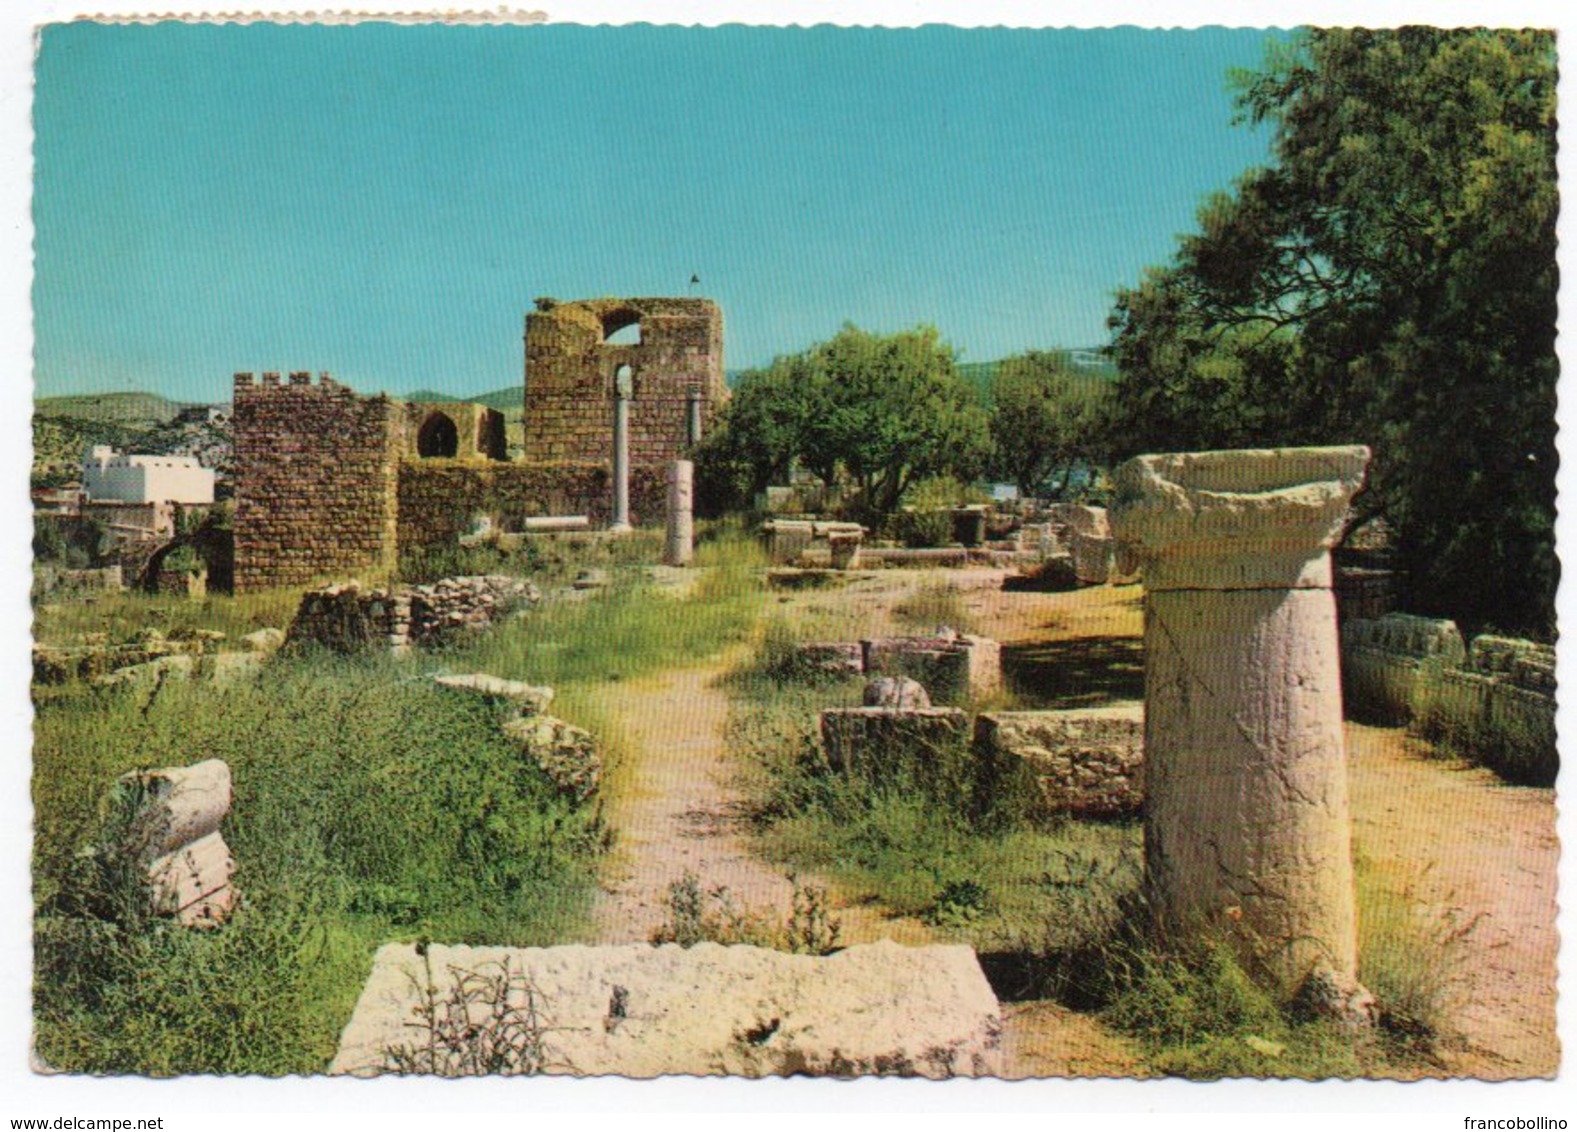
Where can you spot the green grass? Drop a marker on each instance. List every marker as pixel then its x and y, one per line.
pixel 121 615
pixel 629 629
pixel 369 805
pixel 1057 912
pixel 934 605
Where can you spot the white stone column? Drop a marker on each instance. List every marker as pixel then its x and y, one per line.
pixel 680 547
pixel 692 416
pixel 621 461
pixel 1247 832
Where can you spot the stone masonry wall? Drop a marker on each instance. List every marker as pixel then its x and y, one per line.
pixel 315 481
pixel 479 430
pixel 439 498
pixel 570 368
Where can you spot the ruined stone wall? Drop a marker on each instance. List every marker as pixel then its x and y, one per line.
pixel 570 368
pixel 438 499
pixel 315 481
pixel 479 430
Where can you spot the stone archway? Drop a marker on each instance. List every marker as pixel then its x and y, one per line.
pixel 437 437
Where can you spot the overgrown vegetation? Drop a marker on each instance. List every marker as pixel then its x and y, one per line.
pixel 489 1020
pixel 1403 230
pixel 711 916
pixel 1057 911
pixel 370 805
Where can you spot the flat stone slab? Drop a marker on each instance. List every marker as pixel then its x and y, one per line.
pixel 530 697
pixel 641 1011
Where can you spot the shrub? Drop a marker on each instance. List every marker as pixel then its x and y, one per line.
pixel 711 916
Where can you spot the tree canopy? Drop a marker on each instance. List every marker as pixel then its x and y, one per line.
pixel 1045 421
pixel 1389 279
pixel 880 411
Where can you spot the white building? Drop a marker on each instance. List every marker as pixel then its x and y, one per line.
pixel 108 476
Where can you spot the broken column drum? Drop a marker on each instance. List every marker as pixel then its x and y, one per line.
pixel 680 547
pixel 1247 830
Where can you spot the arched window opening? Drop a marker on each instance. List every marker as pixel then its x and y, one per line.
pixel 622 328
pixel 437 437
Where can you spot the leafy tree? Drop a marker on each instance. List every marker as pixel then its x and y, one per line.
pixel 1045 421
pixel 1388 279
pixel 881 411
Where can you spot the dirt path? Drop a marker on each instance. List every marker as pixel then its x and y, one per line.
pixel 1462 846
pixel 1458 845
pixel 676 811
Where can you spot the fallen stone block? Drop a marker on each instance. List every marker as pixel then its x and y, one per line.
pixel 928 746
pixel 148 674
pixel 265 641
pixel 953 668
pixel 641 1011
pixel 896 692
pixel 1038 765
pixel 835 658
pixel 168 821
pixel 531 699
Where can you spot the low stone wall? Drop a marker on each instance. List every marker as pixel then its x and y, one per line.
pixel 1038 765
pixel 1386 662
pixel 924 746
pixel 952 669
pixel 94 656
pixel 168 820
pixel 439 499
pixel 635 1011
pixel 1499 709
pixel 347 618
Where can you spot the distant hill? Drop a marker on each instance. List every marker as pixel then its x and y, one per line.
pixel 126 408
pixel 503 399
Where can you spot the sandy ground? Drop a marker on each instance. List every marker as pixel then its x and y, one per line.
pixel 677 812
pixel 1454 840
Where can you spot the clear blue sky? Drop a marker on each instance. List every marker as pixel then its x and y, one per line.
pixel 385 202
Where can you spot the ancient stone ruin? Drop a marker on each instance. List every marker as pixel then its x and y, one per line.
pixel 333 484
pixel 1386 663
pixel 952 667
pixel 1040 765
pixel 565 753
pixel 634 1010
pixel 1247 829
pixel 348 618
pixel 168 821
pixel 670 351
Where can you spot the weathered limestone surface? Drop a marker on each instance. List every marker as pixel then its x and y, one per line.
pixel 640 1011
pixel 883 744
pixel 347 618
pixel 837 658
pixel 174 834
pixel 953 668
pixel 895 692
pixel 570 367
pixel 1084 761
pixel 679 547
pixel 315 470
pixel 1247 828
pixel 1386 663
pixel 440 499
pixel 531 699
